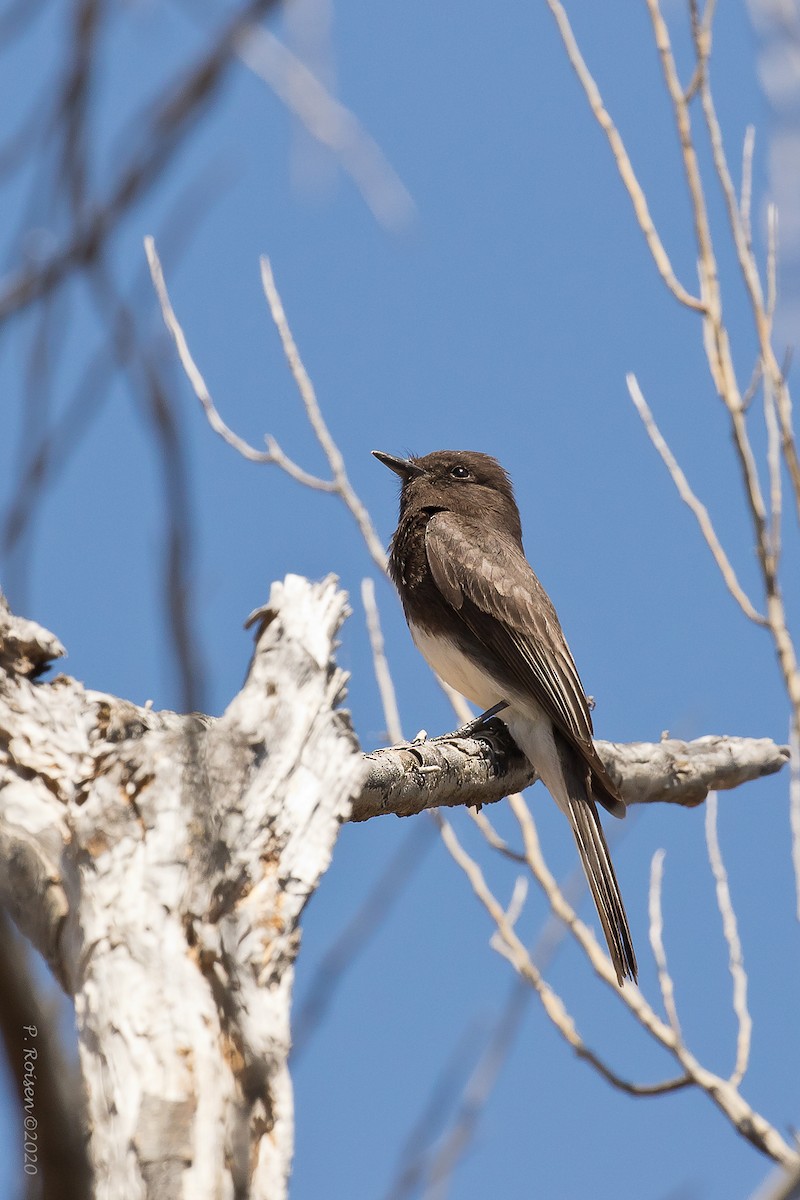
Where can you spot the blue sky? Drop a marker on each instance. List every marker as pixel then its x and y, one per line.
pixel 502 317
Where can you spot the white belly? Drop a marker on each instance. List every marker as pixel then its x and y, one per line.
pixel 530 727
pixel 451 665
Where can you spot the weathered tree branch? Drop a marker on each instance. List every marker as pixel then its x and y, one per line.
pixel 450 771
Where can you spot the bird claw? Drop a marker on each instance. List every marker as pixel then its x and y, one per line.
pixel 485 728
pixel 480 722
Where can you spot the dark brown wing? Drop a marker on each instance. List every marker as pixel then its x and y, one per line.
pixel 486 578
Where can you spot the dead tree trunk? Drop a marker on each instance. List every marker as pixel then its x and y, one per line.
pixel 161 863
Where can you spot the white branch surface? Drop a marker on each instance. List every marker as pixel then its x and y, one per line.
pixel 161 864
pixel 449 771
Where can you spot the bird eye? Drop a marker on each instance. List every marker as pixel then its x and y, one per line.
pixel 459 472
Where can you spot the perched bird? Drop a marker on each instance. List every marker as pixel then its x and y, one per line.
pixel 485 624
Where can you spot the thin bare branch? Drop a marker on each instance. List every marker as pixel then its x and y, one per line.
pixel 794 808
pixel 73 104
pixel 715 335
pixel 755 380
pixel 476 1094
pixel 701 32
pixel 692 168
pixel 383 676
pixel 273 454
pixel 52 444
pixel 689 498
pixel 417 1150
pixel 738 210
pixel 657 943
pixel 746 200
pixel 788 438
pixel 763 312
pixel 493 838
pixel 773 470
pixel 781 1185
pixel 146 373
pixel 513 949
pixel 341 483
pixel 624 165
pixel 516 905
pixel 772 262
pixel 330 122
pixel 726 1096
pixel 731 932
pixel 358 932
pixel 168 125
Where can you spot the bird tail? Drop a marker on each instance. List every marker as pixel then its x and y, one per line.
pixel 597 865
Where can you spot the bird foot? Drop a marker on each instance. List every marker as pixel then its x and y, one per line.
pixel 478 723
pixel 486 727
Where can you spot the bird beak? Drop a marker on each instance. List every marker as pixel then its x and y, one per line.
pixel 403 467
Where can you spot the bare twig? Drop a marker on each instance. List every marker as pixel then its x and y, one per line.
pixel 794 808
pixel 512 948
pixel 155 398
pixel 340 483
pixel 383 675
pixel 305 387
pixel 37 399
pixel 692 168
pixel 416 1152
pixel 515 906
pixel 725 1095
pixel 74 101
pixel 624 165
pixel 657 943
pixel 476 1093
pixel 272 455
pixel 689 498
pixel 330 122
pixel 493 838
pixel 359 931
pixel 781 1185
pixel 773 470
pixel 745 202
pixel 763 312
pixel 48 446
pixel 755 380
pixel 731 932
pixel 772 262
pixel 168 125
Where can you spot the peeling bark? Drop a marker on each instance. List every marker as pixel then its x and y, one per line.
pixel 448 771
pixel 161 864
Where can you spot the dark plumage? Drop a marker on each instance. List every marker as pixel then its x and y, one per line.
pixel 486 625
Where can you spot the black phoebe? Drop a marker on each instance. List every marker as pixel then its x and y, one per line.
pixel 487 627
